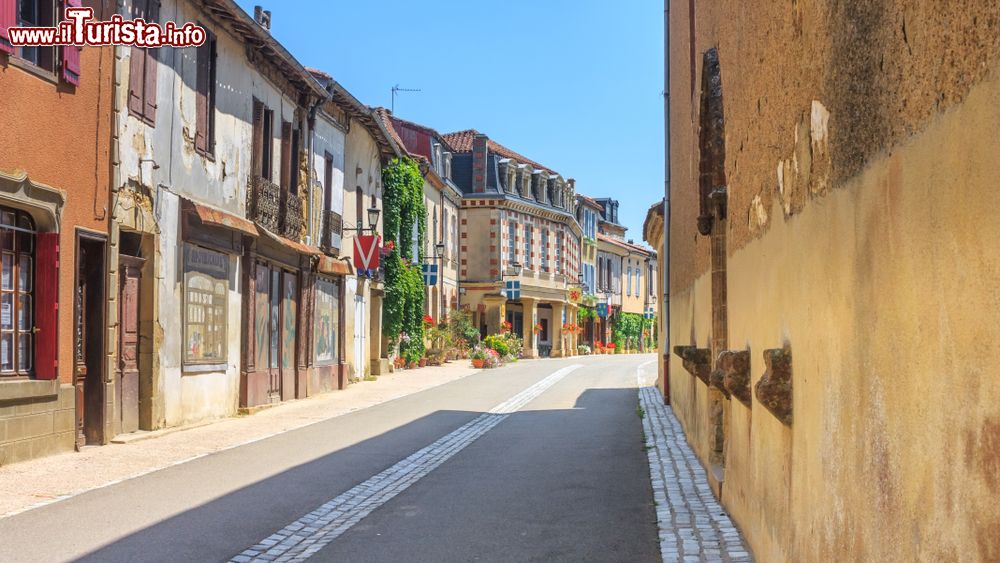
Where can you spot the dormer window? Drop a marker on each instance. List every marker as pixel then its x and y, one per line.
pixel 447 165
pixel 438 165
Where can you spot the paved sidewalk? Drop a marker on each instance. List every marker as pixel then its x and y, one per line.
pixel 42 481
pixel 693 525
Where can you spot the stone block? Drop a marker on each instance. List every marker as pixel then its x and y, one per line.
pixel 64 420
pixel 34 425
pixel 774 390
pixel 735 368
pixel 697 361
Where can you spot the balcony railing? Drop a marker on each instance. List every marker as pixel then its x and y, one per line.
pixel 331 231
pixel 291 218
pixel 264 203
pixel 273 208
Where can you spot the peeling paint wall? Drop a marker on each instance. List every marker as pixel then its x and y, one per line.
pixel 859 141
pixel 218 180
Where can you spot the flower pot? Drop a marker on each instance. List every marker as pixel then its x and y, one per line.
pixel 478 364
pixel 412 365
pixel 423 362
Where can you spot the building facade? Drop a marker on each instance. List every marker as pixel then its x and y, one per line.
pixel 442 199
pixel 517 224
pixel 54 178
pixel 839 277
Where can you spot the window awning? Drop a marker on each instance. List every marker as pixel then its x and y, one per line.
pixel 210 216
pixel 288 243
pixel 334 266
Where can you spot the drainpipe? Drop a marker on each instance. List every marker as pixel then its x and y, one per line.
pixel 666 203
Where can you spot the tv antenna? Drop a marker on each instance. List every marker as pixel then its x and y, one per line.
pixel 396 89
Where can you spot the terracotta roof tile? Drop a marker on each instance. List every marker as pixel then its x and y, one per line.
pixel 624 244
pixel 461 141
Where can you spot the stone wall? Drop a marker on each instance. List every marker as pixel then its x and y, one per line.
pixel 858 151
pixel 36 419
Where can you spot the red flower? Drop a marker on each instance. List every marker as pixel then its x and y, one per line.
pixel 428 321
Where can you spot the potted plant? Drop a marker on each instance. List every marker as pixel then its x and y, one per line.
pixel 423 362
pixel 613 348
pixel 478 356
pixel 493 359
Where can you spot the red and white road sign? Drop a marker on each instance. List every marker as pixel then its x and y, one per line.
pixel 366 252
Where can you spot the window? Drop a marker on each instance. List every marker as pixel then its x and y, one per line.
pixel 444 233
pixel 511 242
pixel 206 296
pixel 285 178
pixel 649 280
pixel 204 136
pixel 142 67
pixel 327 318
pixel 559 252
pixel 328 182
pixel 545 250
pixel 359 209
pixel 17 285
pixel 528 235
pixel 638 280
pixel 628 287
pixel 37 13
pixel 263 140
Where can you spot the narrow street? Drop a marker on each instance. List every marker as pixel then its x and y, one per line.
pixel 539 460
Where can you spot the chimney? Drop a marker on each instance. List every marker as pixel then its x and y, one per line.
pixel 262 17
pixel 479 153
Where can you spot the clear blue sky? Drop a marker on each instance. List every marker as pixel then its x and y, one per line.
pixel 573 84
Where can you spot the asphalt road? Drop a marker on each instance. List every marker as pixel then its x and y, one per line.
pixel 563 477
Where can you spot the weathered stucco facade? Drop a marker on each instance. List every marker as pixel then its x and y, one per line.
pixel 843 227
pixel 54 174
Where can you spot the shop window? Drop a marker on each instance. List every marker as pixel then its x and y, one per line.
pixel 17 292
pixel 327 320
pixel 206 296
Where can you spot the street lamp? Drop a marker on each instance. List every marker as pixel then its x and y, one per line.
pixel 373 213
pixel 439 250
pixel 516 266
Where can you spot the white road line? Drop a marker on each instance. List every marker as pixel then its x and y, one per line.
pixel 303 538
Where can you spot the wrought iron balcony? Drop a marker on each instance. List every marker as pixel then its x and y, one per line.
pixel 264 203
pixel 331 232
pixel 273 208
pixel 291 218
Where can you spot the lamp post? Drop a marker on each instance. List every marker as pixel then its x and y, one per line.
pixel 516 267
pixel 373 213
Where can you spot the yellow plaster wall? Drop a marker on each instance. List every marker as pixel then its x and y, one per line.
pixel 888 291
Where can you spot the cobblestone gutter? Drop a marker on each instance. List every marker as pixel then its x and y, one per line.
pixel 693 525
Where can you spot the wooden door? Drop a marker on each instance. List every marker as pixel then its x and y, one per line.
pixel 88 345
pixel 274 336
pixel 127 394
pixel 289 320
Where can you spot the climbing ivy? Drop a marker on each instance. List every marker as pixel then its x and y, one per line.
pixel 627 330
pixel 402 208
